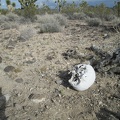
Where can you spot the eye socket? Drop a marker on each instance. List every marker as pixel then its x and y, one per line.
pixel 75 80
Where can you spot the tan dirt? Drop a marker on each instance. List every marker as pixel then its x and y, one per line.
pixel 31 87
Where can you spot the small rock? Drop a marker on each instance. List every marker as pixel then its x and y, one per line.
pixel 51 55
pixel 9 68
pixel 19 80
pixel 0 59
pixel 18 107
pixel 30 61
pixel 59 82
pixel 3 100
pixel 105 36
pixel 2 104
pixel 11 44
pixel 70 54
pixel 37 98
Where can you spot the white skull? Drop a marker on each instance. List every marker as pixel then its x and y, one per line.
pixel 83 76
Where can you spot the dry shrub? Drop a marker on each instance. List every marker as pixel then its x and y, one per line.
pixel 51 23
pixel 26 34
pixel 24 20
pixel 45 19
pixel 50 28
pixel 79 16
pixel 61 19
pixel 115 22
pixel 9 25
pixel 110 17
pixel 93 21
pixel 13 17
pixel 3 19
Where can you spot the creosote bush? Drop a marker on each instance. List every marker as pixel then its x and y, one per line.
pixel 93 21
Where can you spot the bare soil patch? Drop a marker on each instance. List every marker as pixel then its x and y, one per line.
pixel 32 73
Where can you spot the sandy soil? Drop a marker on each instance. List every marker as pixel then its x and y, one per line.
pixel 31 74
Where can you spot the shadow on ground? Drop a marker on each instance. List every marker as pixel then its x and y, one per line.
pixel 2 106
pixel 65 76
pixel 105 114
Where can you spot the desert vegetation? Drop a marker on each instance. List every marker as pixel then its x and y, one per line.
pixel 39 45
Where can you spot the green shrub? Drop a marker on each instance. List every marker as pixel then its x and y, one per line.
pixel 93 21
pixel 29 12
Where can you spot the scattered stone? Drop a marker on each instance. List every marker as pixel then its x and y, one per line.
pixel 30 61
pixel 59 82
pixel 116 57
pixel 105 36
pixel 37 98
pixel 7 97
pixel 70 54
pixel 73 54
pixel 18 107
pixel 2 102
pixel 99 52
pixel 19 80
pixel 9 68
pixel 51 55
pixel 104 62
pixel 115 70
pixel 11 44
pixel 0 59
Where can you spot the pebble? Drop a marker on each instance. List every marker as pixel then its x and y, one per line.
pixel 0 59
pixel 30 61
pixel 11 44
pixel 7 97
pixel 2 102
pixel 37 98
pixel 9 68
pixel 59 82
pixel 19 80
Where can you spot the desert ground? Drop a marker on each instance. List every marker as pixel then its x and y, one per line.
pixel 34 78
